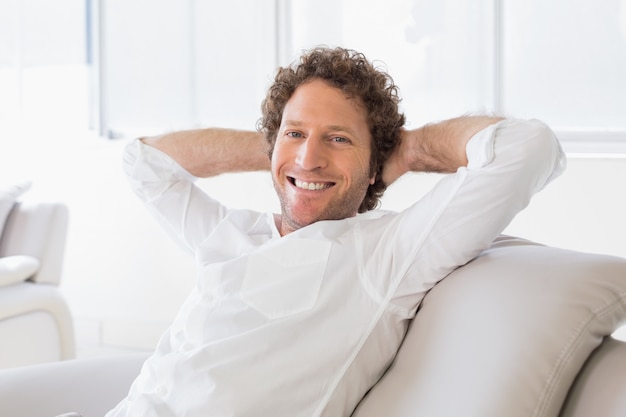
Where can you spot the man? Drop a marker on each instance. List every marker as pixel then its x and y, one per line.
pixel 300 313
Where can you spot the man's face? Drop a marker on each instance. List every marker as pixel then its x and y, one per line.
pixel 321 159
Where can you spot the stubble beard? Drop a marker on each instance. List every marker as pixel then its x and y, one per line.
pixel 341 207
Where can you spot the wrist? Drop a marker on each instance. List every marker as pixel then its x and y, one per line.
pixel 398 163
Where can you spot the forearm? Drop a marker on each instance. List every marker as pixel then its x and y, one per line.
pixel 210 152
pixel 438 147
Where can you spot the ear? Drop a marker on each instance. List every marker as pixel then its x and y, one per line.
pixel 374 172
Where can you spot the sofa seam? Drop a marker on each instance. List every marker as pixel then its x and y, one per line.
pixel 569 349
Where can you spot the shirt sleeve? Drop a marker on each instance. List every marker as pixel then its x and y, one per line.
pixel 185 211
pixel 508 162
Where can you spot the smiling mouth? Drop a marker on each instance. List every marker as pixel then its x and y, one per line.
pixel 311 186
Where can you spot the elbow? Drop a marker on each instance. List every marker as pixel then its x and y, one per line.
pixel 542 151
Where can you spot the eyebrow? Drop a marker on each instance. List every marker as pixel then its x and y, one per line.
pixel 298 123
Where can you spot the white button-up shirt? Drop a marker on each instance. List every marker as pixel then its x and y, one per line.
pixel 303 325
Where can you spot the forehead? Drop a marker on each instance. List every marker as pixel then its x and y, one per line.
pixel 317 102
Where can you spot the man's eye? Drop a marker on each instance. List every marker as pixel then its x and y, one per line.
pixel 339 139
pixel 294 134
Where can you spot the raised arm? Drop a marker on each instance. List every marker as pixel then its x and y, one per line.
pixel 437 147
pixel 210 152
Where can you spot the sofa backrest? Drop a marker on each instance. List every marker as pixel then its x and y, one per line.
pixel 507 335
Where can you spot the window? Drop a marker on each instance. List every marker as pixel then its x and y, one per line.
pixel 43 63
pixel 561 61
pixel 169 64
pixel 172 64
pixel 566 60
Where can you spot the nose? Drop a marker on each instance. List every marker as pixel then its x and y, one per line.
pixel 311 154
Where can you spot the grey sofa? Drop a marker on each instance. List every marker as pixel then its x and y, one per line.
pixel 524 330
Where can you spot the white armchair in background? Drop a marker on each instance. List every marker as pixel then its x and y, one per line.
pixel 35 322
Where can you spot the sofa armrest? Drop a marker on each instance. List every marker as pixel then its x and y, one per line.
pixel 38 230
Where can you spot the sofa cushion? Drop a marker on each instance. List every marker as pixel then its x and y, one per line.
pixel 17 269
pixel 8 195
pixel 504 335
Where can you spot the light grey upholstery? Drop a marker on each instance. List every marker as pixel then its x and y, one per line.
pixel 506 335
pixel 89 386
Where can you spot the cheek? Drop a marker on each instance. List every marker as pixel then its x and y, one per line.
pixel 278 150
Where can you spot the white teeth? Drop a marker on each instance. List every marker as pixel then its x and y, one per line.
pixel 311 185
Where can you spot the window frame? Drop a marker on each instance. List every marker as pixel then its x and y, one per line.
pixel 577 142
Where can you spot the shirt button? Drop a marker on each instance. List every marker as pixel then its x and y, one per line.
pixel 187 347
pixel 161 391
pixel 207 298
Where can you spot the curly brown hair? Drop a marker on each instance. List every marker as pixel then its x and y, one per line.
pixel 357 78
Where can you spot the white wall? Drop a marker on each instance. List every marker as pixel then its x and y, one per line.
pixel 125 279
pixel 583 210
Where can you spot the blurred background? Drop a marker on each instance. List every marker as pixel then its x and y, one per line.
pixel 80 78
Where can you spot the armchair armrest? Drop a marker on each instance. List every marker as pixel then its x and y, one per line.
pixel 38 230
pixel 17 268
